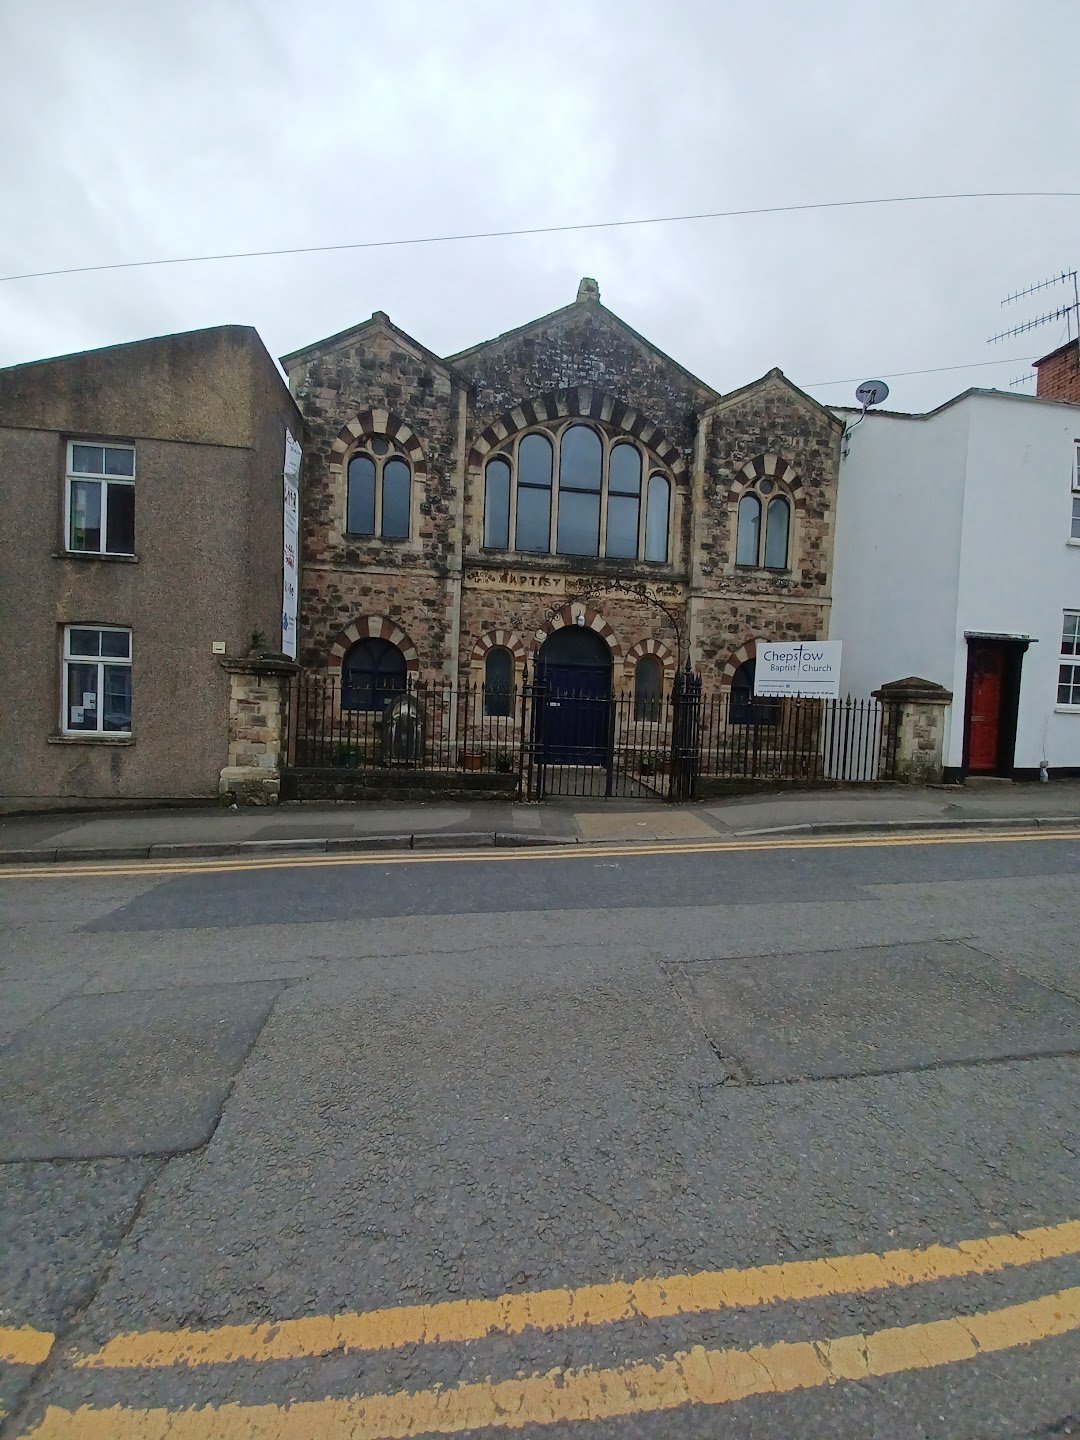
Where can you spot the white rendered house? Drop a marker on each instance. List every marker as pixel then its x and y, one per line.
pixel 957 560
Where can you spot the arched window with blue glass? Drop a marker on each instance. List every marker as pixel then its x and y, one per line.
pixel 372 673
pixel 378 499
pixel 498 681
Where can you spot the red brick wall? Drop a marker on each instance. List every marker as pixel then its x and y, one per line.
pixel 1059 374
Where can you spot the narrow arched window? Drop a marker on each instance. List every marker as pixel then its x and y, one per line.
pixel 360 519
pixel 498 681
pixel 656 519
pixel 534 460
pixel 777 525
pixel 497 505
pixel 749 532
pixel 396 479
pixel 372 673
pixel 648 675
pixel 624 502
pixel 378 492
pixel 581 456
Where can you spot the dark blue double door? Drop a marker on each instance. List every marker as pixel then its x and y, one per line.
pixel 575 715
pixel 576 708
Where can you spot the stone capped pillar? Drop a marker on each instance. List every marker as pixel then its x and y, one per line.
pixel 913 732
pixel 258 692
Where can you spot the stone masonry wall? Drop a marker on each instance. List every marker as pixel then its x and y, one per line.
pixel 581 360
pixel 379 374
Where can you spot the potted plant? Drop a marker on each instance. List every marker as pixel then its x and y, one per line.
pixel 647 763
pixel 472 759
pixel 504 762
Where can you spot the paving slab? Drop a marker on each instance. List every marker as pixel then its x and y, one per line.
pixel 667 824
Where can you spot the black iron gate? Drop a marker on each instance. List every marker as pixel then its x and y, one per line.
pixel 581 737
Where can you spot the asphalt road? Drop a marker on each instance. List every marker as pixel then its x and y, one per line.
pixel 277 1098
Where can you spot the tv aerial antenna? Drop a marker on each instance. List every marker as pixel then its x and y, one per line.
pixel 1069 312
pixel 869 393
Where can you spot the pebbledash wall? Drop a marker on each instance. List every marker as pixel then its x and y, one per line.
pixel 445 598
pixel 193 425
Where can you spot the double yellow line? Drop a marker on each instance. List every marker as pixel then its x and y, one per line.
pixel 493 854
pixel 695 1377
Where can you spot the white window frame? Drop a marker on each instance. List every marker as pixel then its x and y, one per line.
pixel 106 481
pixel 68 659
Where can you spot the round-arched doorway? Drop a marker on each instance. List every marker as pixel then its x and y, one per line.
pixel 573 668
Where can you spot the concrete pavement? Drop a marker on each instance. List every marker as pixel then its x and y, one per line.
pixel 173 834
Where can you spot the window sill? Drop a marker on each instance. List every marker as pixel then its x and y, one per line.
pixel 1074 543
pixel 1067 709
pixel 89 738
pixel 375 539
pixel 95 555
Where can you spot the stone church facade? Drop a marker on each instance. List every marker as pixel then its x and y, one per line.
pixel 461 510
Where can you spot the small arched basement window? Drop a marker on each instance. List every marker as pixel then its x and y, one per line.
pixel 372 673
pixel 746 708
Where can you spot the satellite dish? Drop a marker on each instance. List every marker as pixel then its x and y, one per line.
pixel 872 392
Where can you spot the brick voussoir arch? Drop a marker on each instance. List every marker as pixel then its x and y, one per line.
pixel 500 640
pixel 584 402
pixel 746 651
pixel 379 628
pixel 369 423
pixel 778 469
pixel 592 620
pixel 651 647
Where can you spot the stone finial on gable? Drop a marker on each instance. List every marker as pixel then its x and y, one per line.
pixel 588 289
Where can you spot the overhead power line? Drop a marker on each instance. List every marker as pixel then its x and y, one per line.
pixel 936 370
pixel 548 230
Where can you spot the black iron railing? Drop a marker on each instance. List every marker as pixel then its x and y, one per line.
pixel 587 739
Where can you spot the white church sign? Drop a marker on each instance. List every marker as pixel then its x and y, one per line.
pixel 809 668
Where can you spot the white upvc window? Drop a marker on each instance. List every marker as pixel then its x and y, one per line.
pixel 1068 692
pixel 1074 533
pixel 97 680
pixel 100 498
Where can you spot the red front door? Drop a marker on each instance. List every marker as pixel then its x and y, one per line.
pixel 986 664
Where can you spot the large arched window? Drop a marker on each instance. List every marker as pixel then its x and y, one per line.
pixel 372 673
pixel 648 678
pixel 378 499
pixel 534 470
pixel 581 471
pixel 656 519
pixel 498 681
pixel 578 490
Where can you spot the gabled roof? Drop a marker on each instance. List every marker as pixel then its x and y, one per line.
pixel 587 302
pixel 776 375
pixel 378 321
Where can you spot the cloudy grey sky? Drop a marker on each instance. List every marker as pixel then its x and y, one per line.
pixel 141 128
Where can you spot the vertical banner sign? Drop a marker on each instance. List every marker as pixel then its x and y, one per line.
pixel 291 546
pixel 810 667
